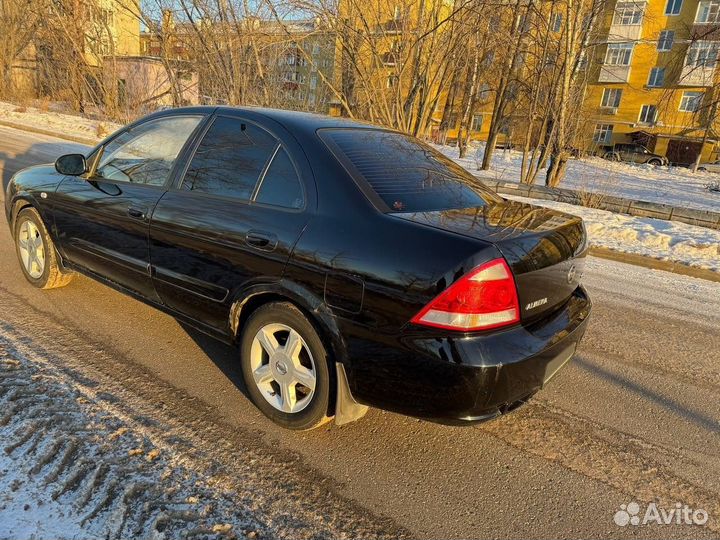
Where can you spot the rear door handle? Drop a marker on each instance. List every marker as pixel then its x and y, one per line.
pixel 137 213
pixel 261 240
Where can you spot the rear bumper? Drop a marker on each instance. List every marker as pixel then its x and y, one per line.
pixel 469 378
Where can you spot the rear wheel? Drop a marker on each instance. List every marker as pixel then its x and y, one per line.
pixel 285 367
pixel 612 156
pixel 702 169
pixel 654 162
pixel 36 252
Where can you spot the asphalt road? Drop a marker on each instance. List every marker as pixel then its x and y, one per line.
pixel 636 416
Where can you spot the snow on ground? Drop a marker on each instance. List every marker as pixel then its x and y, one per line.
pixel 677 186
pixel 71 468
pixel 656 238
pixel 59 122
pixel 83 457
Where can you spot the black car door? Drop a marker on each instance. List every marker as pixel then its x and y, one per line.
pixel 244 199
pixel 102 219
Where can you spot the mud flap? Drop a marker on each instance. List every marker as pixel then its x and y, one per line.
pixel 346 408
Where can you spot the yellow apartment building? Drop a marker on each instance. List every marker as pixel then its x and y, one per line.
pixel 650 75
pixel 653 80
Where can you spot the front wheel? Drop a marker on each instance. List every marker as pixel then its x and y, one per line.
pixel 286 367
pixel 36 252
pixel 655 162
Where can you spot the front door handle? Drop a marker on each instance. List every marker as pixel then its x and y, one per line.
pixel 137 213
pixel 261 240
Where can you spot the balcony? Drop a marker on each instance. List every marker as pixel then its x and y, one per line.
pixel 624 32
pixel 614 74
pixel 696 76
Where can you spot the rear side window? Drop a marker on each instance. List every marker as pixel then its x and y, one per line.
pixel 407 175
pixel 280 185
pixel 229 159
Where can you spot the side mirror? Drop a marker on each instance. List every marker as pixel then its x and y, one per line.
pixel 71 164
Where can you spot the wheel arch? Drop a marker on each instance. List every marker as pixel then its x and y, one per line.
pixel 343 406
pixel 25 200
pixel 20 202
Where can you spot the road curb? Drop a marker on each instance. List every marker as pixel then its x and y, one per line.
pixel 49 133
pixel 691 216
pixel 654 264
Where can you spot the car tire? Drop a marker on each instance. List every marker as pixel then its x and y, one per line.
pixel 612 156
pixel 292 388
pixel 36 252
pixel 702 169
pixel 654 162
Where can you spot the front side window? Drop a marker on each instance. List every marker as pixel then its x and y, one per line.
pixel 603 133
pixel 690 101
pixel 618 54
pixel 702 54
pixel 708 12
pixel 406 174
pixel 230 159
pixel 657 77
pixel 611 97
pixel 673 7
pixel 648 114
pixel 665 40
pixel 146 153
pixel 628 13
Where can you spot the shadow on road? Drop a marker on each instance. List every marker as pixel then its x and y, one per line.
pixel 36 154
pixel 694 416
pixel 225 357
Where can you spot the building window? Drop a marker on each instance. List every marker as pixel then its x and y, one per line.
pixel 611 97
pixel 690 101
pixel 657 77
pixel 628 13
pixel 556 23
pixel 708 11
pixel 618 54
pixel 665 40
pixel 673 7
pixel 648 114
pixel 703 54
pixel 477 122
pixel 603 133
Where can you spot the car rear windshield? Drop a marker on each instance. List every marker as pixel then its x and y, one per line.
pixel 407 175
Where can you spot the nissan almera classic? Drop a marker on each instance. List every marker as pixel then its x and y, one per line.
pixel 352 265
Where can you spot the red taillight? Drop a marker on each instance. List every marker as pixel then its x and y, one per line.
pixel 481 299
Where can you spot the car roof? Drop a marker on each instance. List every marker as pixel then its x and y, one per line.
pixel 293 121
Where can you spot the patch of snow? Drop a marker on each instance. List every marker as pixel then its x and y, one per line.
pixel 61 123
pixel 657 238
pixel 676 186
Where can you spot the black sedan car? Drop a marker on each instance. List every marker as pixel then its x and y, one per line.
pixel 354 266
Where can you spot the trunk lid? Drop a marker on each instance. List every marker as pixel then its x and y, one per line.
pixel 544 248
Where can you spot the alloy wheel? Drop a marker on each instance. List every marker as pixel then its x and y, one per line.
pixel 32 249
pixel 283 368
